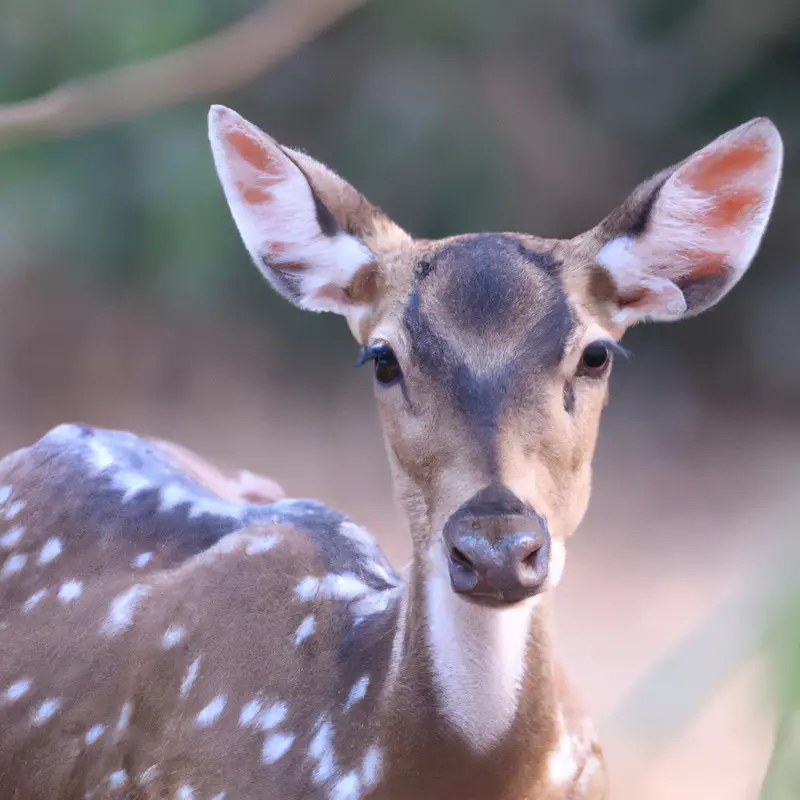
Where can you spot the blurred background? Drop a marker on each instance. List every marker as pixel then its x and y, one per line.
pixel 127 300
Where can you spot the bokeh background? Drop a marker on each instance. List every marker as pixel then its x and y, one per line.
pixel 127 300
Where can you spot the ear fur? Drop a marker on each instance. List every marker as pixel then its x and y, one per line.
pixel 297 239
pixel 685 237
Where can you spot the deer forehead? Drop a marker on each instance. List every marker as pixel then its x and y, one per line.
pixel 483 305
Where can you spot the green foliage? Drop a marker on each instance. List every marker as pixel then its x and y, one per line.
pixel 782 781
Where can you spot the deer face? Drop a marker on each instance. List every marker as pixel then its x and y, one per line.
pixel 492 352
pixel 490 380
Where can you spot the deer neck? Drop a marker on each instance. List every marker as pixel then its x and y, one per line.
pixel 479 682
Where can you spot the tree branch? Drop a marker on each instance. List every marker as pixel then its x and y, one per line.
pixel 222 61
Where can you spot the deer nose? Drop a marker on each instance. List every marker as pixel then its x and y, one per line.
pixel 504 568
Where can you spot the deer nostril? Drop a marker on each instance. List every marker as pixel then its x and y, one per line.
pixel 461 558
pixel 532 557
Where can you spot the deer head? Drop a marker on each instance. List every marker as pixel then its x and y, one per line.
pixel 492 352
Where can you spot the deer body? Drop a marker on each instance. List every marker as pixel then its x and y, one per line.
pixel 178 644
pixel 172 631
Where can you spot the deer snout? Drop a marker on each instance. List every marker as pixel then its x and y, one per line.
pixel 497 557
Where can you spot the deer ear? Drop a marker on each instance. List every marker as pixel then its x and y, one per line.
pixel 684 238
pixel 307 229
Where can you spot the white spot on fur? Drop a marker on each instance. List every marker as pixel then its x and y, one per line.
pixel 5 493
pixel 249 712
pixel 357 534
pixel 367 546
pixel 344 587
pixel 190 677
pixel 123 606
pixel 149 774
pixel 94 733
pixel 65 432
pixel 213 506
pixel 45 711
pixel 347 788
pixel 276 746
pixel 320 750
pixel 124 716
pixel 339 587
pixel 131 483
pixel 220 796
pixel 142 560
pixel 372 767
pixel 17 690
pixel 272 716
pixel 381 571
pixel 211 713
pixel 34 600
pixel 184 792
pixel 478 657
pixel 100 456
pixel 304 630
pixel 357 693
pixel 69 591
pixel 12 538
pixel 14 509
pixel 375 602
pixel 262 545
pixel 172 496
pixel 172 636
pixel 562 765
pixel 13 564
pixel 51 549
pixel 117 779
pixel 307 588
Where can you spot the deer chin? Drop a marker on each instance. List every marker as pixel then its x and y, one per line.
pixel 487 601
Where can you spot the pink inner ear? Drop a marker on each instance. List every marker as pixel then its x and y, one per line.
pixel 734 209
pixel 732 175
pixel 704 265
pixel 705 227
pixel 253 165
pixel 726 163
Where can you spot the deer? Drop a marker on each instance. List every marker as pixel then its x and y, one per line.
pixel 172 631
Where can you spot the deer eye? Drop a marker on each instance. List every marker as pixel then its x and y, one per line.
pixel 387 370
pixel 595 359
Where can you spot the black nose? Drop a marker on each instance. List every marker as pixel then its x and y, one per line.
pixel 497 552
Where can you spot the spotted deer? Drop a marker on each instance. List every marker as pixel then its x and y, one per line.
pixel 169 632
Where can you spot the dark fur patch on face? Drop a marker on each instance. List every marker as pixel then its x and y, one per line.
pixel 491 293
pixel 569 398
pixel 423 269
